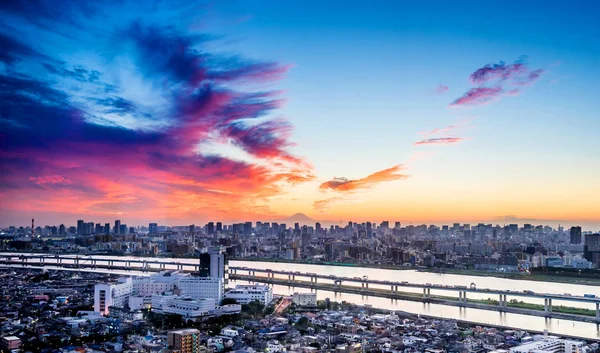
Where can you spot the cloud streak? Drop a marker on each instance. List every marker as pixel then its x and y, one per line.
pixel 440 141
pixel 342 184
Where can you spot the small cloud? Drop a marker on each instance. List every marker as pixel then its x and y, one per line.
pixel 440 141
pixel 326 204
pixel 441 89
pixel 478 96
pixel 50 179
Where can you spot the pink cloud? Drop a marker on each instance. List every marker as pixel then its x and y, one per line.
pixel 442 89
pixel 478 96
pixel 440 141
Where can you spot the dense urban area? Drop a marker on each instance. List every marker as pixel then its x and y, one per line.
pixel 44 310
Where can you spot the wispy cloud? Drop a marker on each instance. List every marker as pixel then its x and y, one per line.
pixel 442 89
pixel 493 81
pixel 342 184
pixel 440 141
pixel 326 205
pixel 478 96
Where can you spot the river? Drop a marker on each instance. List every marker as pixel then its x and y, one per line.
pixel 557 326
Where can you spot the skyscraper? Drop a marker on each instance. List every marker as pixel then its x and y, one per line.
pixel 80 226
pixel 117 226
pixel 106 228
pixel 248 228
pixel 575 235
pixel 210 228
pixel 219 227
pixel 153 228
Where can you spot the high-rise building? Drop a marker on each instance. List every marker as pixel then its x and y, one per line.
pixel 117 227
pixel 80 226
pixel 591 248
pixel 89 228
pixel 192 228
pixel 153 228
pixel 210 228
pixel 62 230
pixel 185 341
pixel 330 250
pixel 212 264
pixel 99 229
pixel 122 229
pixel 248 228
pixel 106 228
pixel 576 235
pixel 219 227
pixel 318 228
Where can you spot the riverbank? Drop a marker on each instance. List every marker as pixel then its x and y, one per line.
pixel 539 277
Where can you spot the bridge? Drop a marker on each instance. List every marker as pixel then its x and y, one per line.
pixel 268 276
pixel 336 283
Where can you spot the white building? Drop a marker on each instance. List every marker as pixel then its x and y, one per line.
pixel 112 294
pixel 305 299
pixel 139 303
pixel 202 287
pixel 161 301
pixel 190 308
pixel 245 294
pixel 550 345
pixel 157 283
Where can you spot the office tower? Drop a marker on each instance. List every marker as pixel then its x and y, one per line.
pixel 80 226
pixel 369 229
pixel 575 235
pixel 185 341
pixel 89 229
pixel 330 250
pixel 210 228
pixel 212 264
pixel 117 227
pixel 122 228
pixel 99 229
pixel 248 228
pixel 282 227
pixel 153 228
pixel 219 227
pixel 297 227
pixel 131 230
pixel 318 228
pixel 192 228
pixel 591 248
pixel 62 230
pixel 106 228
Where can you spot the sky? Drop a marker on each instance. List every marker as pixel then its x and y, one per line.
pixel 182 112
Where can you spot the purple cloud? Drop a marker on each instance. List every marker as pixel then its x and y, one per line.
pixel 491 82
pixel 478 95
pixel 440 141
pixel 442 89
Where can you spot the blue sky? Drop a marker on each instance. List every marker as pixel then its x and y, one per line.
pixel 362 88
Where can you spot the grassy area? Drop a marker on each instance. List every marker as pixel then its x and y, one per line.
pixel 538 307
pixel 540 276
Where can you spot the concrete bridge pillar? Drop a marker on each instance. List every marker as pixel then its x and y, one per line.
pixel 546 305
pixel 598 312
pixel 424 292
pixel 362 285
pixel 293 277
pixel 550 305
pixel 392 289
pixel 367 285
pixel 316 280
pixel 396 287
pixel 465 297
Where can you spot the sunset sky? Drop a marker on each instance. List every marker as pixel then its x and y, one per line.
pixel 182 112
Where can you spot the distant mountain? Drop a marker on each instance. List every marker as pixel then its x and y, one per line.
pixel 299 217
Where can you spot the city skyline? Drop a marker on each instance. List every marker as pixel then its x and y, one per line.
pixel 185 112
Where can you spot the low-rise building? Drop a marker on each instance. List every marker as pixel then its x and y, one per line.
pixel 245 294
